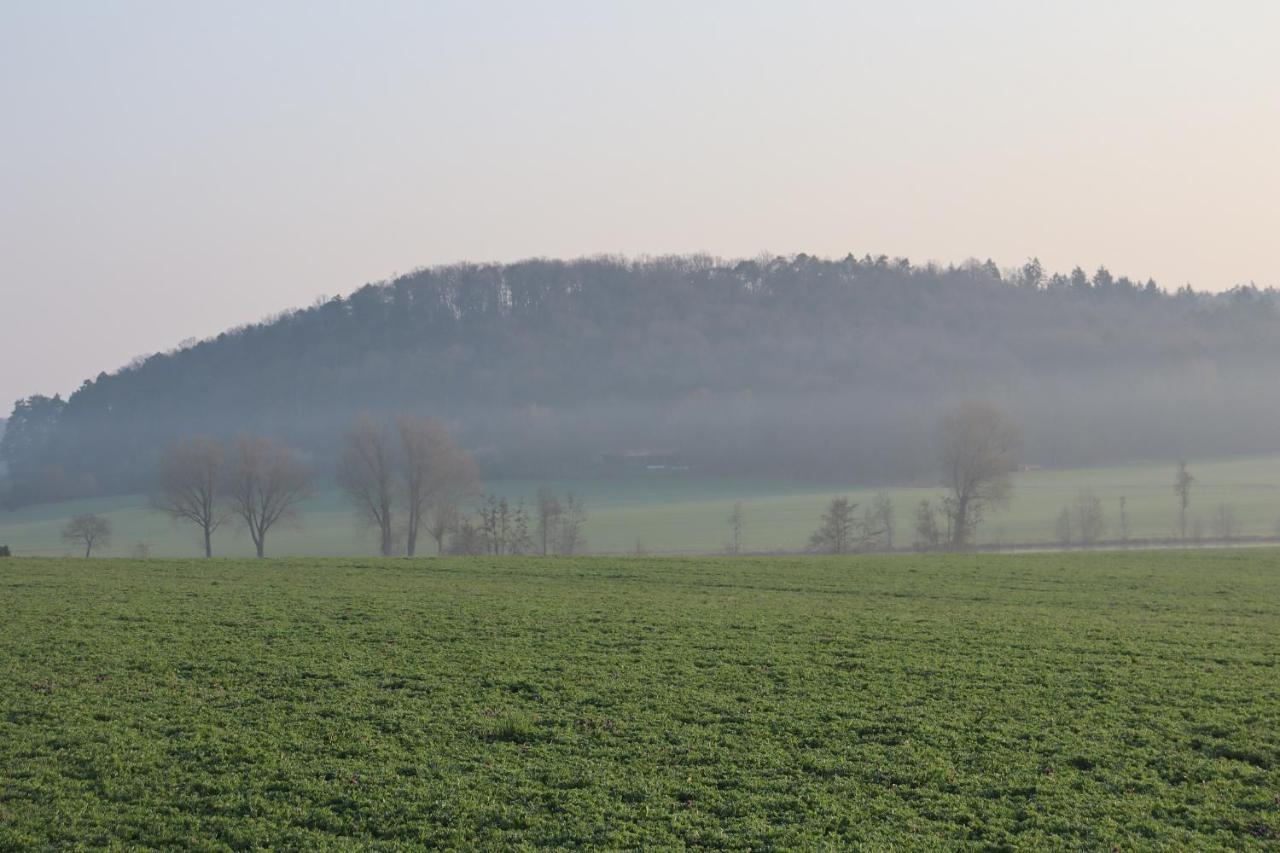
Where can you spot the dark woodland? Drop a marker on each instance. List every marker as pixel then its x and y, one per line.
pixel 790 366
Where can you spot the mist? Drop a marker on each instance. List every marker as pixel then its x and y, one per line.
pixel 793 367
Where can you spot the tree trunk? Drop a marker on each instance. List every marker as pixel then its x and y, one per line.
pixel 208 545
pixel 960 534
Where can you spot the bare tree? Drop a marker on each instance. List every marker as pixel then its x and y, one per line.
pixel 979 444
pixel 417 437
pixel 466 538
pixel 503 529
pixel 1064 528
pixel 496 524
pixel 521 538
pixel 928 533
pixel 883 515
pixel 735 529
pixel 547 515
pixel 366 473
pixel 187 485
pixel 1089 521
pixel 1224 522
pixel 1124 520
pixel 570 538
pixel 442 519
pixel 437 476
pixel 91 531
pixel 1182 483
pixel 558 522
pixel 265 483
pixel 839 533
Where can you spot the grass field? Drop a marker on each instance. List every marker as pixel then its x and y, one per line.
pixel 1053 700
pixel 680 514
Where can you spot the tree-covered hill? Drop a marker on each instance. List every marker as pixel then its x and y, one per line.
pixel 799 366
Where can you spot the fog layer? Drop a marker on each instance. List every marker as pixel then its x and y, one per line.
pixel 800 367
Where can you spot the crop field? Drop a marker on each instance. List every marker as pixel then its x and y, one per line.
pixel 680 514
pixel 1080 700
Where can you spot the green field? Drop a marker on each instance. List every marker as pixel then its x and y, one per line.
pixel 1053 700
pixel 672 514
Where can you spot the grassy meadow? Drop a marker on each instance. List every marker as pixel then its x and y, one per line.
pixel 1084 700
pixel 677 514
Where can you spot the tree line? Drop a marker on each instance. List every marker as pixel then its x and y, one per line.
pixel 1085 522
pixel 409 478
pixel 779 366
pixel 979 446
pixel 407 481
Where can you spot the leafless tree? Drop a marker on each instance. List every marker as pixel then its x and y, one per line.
pixel 570 537
pixel 1182 483
pixel 1224 522
pixel 1064 528
pixel 442 519
pixel 928 533
pixel 496 524
pixel 1124 519
pixel 1089 521
pixel 547 514
pixel 437 476
pixel 521 538
pixel 839 532
pixel 558 522
pixel 265 483
pixel 883 518
pixel 366 473
pixel 979 447
pixel 90 530
pixel 502 528
pixel 466 538
pixel 187 486
pixel 735 529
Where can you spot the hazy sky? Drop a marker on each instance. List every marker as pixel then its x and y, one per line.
pixel 170 169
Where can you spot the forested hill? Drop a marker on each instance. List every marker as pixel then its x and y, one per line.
pixel 799 366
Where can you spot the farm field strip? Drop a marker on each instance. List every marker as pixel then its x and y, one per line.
pixel 1088 700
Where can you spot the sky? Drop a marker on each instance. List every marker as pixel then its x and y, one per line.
pixel 168 170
